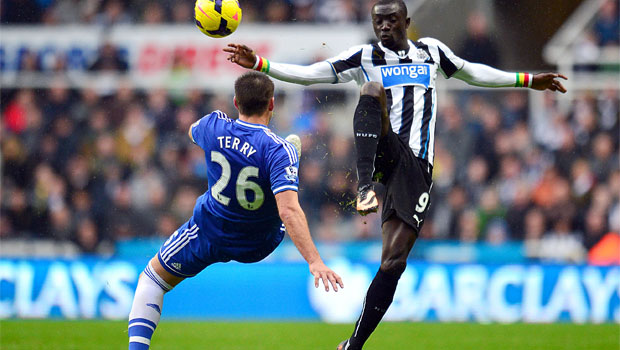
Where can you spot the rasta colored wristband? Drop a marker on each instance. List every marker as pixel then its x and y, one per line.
pixel 524 80
pixel 262 64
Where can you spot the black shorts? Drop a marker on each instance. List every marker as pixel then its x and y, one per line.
pixel 407 180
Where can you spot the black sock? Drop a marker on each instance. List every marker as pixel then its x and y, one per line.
pixel 367 129
pixel 378 299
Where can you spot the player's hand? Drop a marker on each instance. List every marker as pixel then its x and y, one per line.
pixel 241 55
pixel 324 273
pixel 548 81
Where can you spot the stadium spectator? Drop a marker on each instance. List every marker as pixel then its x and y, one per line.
pixel 109 59
pixel 535 226
pixel 491 210
pixel 314 183
pixel 456 135
pixel 15 116
pixel 468 226
pixel 19 213
pixel 561 244
pixel 112 12
pixel 159 111
pixel 607 24
pixel 604 160
pixel 607 106
pixel 517 209
pixel 595 227
pixel 183 12
pixel 153 14
pixel 304 11
pixel 89 240
pixel 484 143
pixel 122 219
pixel 582 180
pixel 277 11
pixel 477 177
pixel 447 218
pixel 478 46
pixel 514 109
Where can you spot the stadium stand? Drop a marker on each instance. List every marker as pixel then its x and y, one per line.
pixel 74 170
pixel 112 12
pixel 88 168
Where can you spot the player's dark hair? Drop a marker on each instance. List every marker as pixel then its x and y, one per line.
pixel 253 91
pixel 402 7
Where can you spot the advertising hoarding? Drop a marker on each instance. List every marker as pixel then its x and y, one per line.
pixel 167 56
pixel 99 288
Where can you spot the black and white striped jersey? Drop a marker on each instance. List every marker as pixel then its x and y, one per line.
pixel 409 81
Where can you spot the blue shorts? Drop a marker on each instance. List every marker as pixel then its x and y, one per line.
pixel 189 249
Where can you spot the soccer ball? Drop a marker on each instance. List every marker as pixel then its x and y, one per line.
pixel 217 18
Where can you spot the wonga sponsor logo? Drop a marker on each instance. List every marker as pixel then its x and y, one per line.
pixel 406 74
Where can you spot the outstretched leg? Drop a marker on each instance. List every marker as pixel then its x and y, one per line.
pixel 398 239
pixel 370 122
pixel 147 304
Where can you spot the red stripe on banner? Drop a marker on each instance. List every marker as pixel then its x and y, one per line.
pixel 260 64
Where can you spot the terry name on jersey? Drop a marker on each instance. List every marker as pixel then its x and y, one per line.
pixel 232 142
pixel 406 74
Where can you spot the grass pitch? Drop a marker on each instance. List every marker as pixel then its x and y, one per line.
pixel 106 335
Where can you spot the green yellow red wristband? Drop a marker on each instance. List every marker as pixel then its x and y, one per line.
pixel 262 64
pixel 524 80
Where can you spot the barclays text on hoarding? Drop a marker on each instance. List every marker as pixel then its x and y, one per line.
pixel 469 292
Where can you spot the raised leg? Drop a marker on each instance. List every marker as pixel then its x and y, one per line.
pixel 370 122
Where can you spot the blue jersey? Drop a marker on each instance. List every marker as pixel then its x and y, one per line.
pixel 247 165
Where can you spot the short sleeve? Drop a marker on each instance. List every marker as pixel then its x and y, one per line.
pixel 284 168
pixel 200 130
pixel 449 63
pixel 348 65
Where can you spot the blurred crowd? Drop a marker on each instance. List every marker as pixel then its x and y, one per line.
pixel 604 31
pixel 111 12
pixel 549 176
pixel 93 169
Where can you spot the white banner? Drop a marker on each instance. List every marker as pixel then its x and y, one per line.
pixel 171 56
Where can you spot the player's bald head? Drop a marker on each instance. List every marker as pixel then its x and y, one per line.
pixel 400 4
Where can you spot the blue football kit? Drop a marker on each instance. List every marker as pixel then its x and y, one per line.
pixel 237 217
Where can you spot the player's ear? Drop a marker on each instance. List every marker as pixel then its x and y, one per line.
pixel 235 102
pixel 271 104
pixel 407 22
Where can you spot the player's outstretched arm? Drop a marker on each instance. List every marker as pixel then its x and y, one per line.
pixel 482 75
pixel 295 221
pixel 320 72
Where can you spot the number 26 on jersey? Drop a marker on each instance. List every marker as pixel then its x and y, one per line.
pixel 242 184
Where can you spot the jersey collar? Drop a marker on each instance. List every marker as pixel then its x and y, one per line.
pixel 406 54
pixel 251 125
